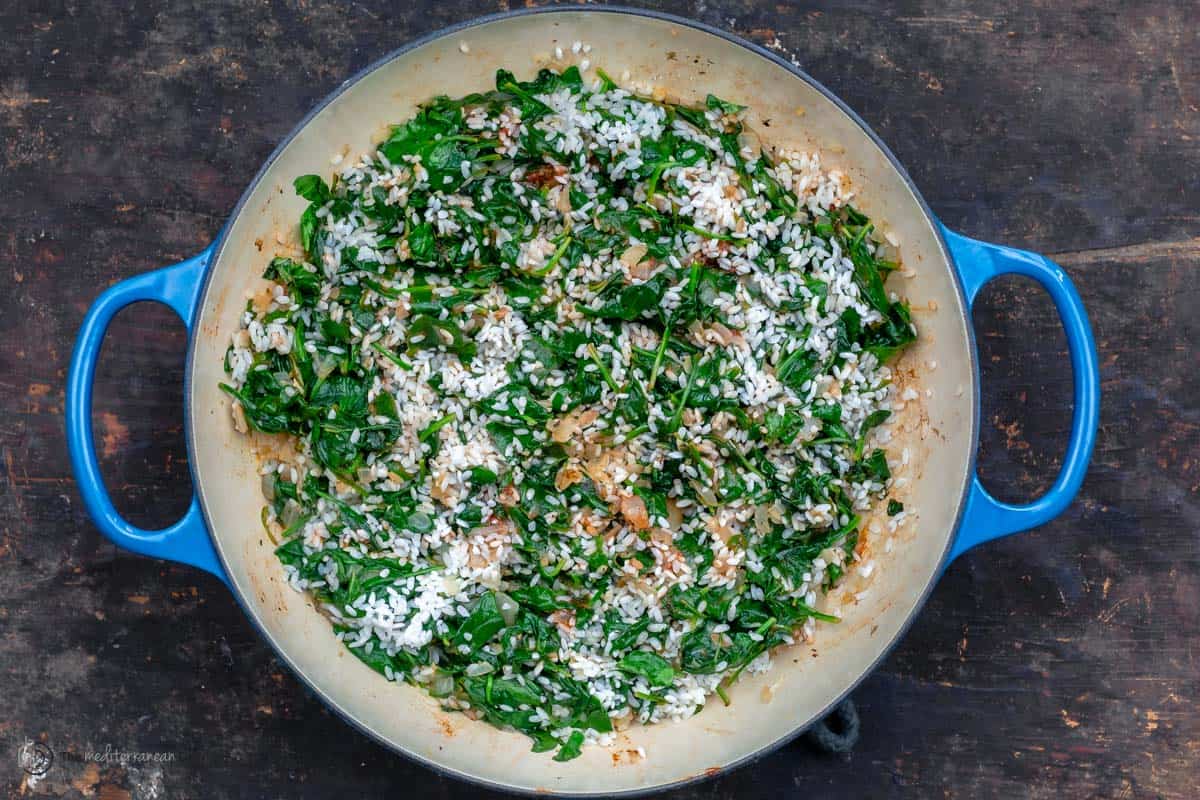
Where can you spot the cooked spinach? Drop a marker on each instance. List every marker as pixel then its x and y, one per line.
pixel 582 391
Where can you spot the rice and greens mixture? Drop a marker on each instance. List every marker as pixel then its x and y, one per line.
pixel 586 395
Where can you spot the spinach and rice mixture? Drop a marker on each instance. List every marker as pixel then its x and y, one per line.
pixel 586 394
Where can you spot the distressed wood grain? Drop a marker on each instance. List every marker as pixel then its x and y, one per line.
pixel 1060 663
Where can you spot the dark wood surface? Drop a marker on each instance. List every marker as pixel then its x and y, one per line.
pixel 1060 663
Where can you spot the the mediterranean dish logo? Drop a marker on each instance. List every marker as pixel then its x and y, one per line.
pixel 35 758
pixel 111 756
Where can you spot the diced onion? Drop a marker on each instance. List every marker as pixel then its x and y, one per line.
pixel 634 254
pixel 633 508
pixel 442 684
pixel 479 668
pixel 567 475
pixel 508 607
pixel 420 522
pixel 324 366
pixel 268 485
pixel 291 513
pixel 674 514
pixel 761 523
pixel 721 334
pixel 749 143
pixel 562 430
pixel 705 494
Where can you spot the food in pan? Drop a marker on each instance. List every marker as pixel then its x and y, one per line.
pixel 587 397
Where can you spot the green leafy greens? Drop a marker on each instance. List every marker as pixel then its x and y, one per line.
pixel 582 395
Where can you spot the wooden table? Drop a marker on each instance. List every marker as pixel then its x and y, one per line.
pixel 1061 663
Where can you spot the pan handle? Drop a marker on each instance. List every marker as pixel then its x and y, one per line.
pixel 984 517
pixel 187 540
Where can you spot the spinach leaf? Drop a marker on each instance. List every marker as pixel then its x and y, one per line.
pixel 629 302
pixel 714 103
pixel 312 188
pixel 481 626
pixel 654 668
pixel 309 225
pixel 538 597
pixel 571 748
pixel 427 332
pixel 344 395
pixel 302 283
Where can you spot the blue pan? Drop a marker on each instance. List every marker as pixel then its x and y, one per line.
pixel 943 274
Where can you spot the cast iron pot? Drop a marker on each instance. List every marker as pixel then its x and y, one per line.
pixel 221 532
